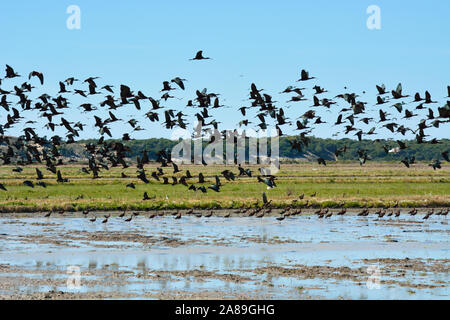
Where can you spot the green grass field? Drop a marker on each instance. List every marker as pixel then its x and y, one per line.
pixel 377 184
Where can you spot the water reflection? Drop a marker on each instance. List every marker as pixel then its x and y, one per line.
pixel 222 246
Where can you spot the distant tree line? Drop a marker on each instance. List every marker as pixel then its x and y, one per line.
pixel 317 148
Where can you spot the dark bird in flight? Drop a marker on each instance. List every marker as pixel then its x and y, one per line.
pixel 62 88
pixel 175 168
pixel 41 184
pixel 28 183
pixel 428 98
pixel 39 174
pixel 37 74
pixel 436 164
pixel 199 56
pixel 10 73
pixel 214 187
pixel 445 155
pixel 108 88
pixel 143 176
pixel 321 161
pixel 270 181
pixel 408 161
pixel 60 178
pixel 179 82
pixel 146 197
pixel 304 76
pixel 397 93
pixel 381 89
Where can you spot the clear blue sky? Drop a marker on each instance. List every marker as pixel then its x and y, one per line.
pixel 142 43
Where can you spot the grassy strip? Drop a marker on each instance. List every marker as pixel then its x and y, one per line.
pixel 159 205
pixel 373 185
pixel 76 197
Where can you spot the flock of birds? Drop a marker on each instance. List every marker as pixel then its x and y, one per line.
pixel 259 211
pixel 31 148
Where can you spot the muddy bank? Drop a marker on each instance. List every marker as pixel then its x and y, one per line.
pixel 239 257
pixel 259 283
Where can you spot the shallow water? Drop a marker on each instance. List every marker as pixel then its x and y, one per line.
pixel 38 251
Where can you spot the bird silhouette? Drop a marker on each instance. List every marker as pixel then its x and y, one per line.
pixel 305 76
pixel 199 56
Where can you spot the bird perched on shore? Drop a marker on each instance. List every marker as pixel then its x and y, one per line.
pixel 429 213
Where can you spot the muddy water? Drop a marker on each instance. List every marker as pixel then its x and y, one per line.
pixel 302 257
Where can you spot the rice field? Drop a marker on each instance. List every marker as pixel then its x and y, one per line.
pixel 347 184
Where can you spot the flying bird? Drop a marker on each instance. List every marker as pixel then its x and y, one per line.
pixel 199 56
